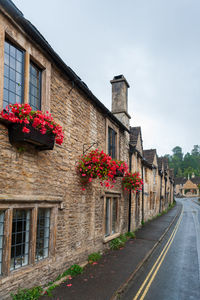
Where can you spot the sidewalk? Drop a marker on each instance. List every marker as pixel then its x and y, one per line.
pixel 101 281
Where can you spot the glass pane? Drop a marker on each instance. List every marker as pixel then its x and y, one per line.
pixel 13 70
pixel 114 215
pixel 1 236
pixel 107 217
pixel 35 87
pixel 20 238
pixel 43 230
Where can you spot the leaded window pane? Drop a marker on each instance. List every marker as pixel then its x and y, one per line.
pixel 107 217
pixel 111 142
pixel 1 237
pixel 43 231
pixel 35 87
pixel 114 215
pixel 20 238
pixel 13 74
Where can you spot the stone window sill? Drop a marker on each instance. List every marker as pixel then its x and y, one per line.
pixel 111 237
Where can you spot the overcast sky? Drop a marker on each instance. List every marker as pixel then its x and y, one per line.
pixel 155 44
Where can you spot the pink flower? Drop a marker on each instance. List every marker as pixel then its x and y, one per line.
pixel 70 284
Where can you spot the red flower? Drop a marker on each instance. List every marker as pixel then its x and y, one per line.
pixel 25 129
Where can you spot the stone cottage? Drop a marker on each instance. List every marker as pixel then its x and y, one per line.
pixel 47 223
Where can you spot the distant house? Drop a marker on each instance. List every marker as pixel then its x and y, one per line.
pixel 187 187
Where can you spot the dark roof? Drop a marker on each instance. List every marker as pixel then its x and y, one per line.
pixel 36 36
pixel 195 180
pixel 160 163
pixel 149 155
pixel 180 180
pixel 134 133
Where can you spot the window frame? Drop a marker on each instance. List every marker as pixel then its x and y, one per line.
pixel 111 234
pixel 7 234
pixel 22 72
pixel 32 63
pixel 31 54
pixel 109 124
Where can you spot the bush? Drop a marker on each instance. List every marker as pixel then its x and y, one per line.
pixel 28 294
pixel 130 235
pixel 116 244
pixel 73 271
pixel 94 257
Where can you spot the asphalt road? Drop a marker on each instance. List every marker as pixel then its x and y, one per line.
pixel 173 270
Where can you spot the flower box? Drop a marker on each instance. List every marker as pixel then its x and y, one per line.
pixel 34 137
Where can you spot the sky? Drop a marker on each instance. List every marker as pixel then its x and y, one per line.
pixel 155 44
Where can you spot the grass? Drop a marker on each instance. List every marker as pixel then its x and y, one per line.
pixel 93 257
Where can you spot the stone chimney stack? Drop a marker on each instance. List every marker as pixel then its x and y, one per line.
pixel 120 99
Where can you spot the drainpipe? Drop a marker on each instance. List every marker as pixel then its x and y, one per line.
pixel 142 192
pixel 129 212
pixel 160 192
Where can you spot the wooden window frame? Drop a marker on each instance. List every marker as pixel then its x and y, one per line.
pixel 117 233
pixel 31 55
pixel 7 236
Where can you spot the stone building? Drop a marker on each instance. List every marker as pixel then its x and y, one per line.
pixel 47 223
pixel 187 187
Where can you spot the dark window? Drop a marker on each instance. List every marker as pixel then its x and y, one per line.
pixel 20 238
pixel 13 75
pixel 112 142
pixel 111 217
pixel 42 240
pixel 1 236
pixel 35 87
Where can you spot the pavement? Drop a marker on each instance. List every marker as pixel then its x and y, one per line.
pixel 110 276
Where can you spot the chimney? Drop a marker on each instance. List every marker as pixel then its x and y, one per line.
pixel 120 99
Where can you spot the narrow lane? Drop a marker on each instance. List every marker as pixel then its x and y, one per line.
pixel 176 275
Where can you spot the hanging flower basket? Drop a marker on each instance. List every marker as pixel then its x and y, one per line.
pixel 34 137
pixel 121 168
pixel 34 127
pixel 132 182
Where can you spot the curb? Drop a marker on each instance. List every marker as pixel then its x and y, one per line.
pixel 121 289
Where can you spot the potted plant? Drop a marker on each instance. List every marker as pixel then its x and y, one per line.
pixel 26 125
pixel 132 182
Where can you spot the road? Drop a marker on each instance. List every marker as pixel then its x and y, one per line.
pixel 173 270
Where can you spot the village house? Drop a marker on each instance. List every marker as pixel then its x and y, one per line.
pixel 187 187
pixel 47 222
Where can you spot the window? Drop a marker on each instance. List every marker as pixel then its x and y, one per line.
pixel 13 75
pixel 20 238
pixel 28 237
pixel 42 239
pixel 154 176
pixel 1 236
pixel 111 216
pixel 112 142
pixel 35 87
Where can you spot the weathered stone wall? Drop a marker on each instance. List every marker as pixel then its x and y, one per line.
pixel 50 177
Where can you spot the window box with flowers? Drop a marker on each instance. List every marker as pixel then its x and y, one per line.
pixel 26 125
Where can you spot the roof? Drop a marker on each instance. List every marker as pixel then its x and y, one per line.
pixel 149 155
pixel 37 37
pixel 182 180
pixel 189 185
pixel 160 163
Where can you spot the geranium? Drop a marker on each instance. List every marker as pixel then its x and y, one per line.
pixel 24 114
pixel 132 182
pixel 98 164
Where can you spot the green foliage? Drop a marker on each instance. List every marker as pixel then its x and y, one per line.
pixel 130 235
pixel 73 270
pixel 50 289
pixel 28 294
pixel 94 257
pixel 116 244
pixel 187 164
